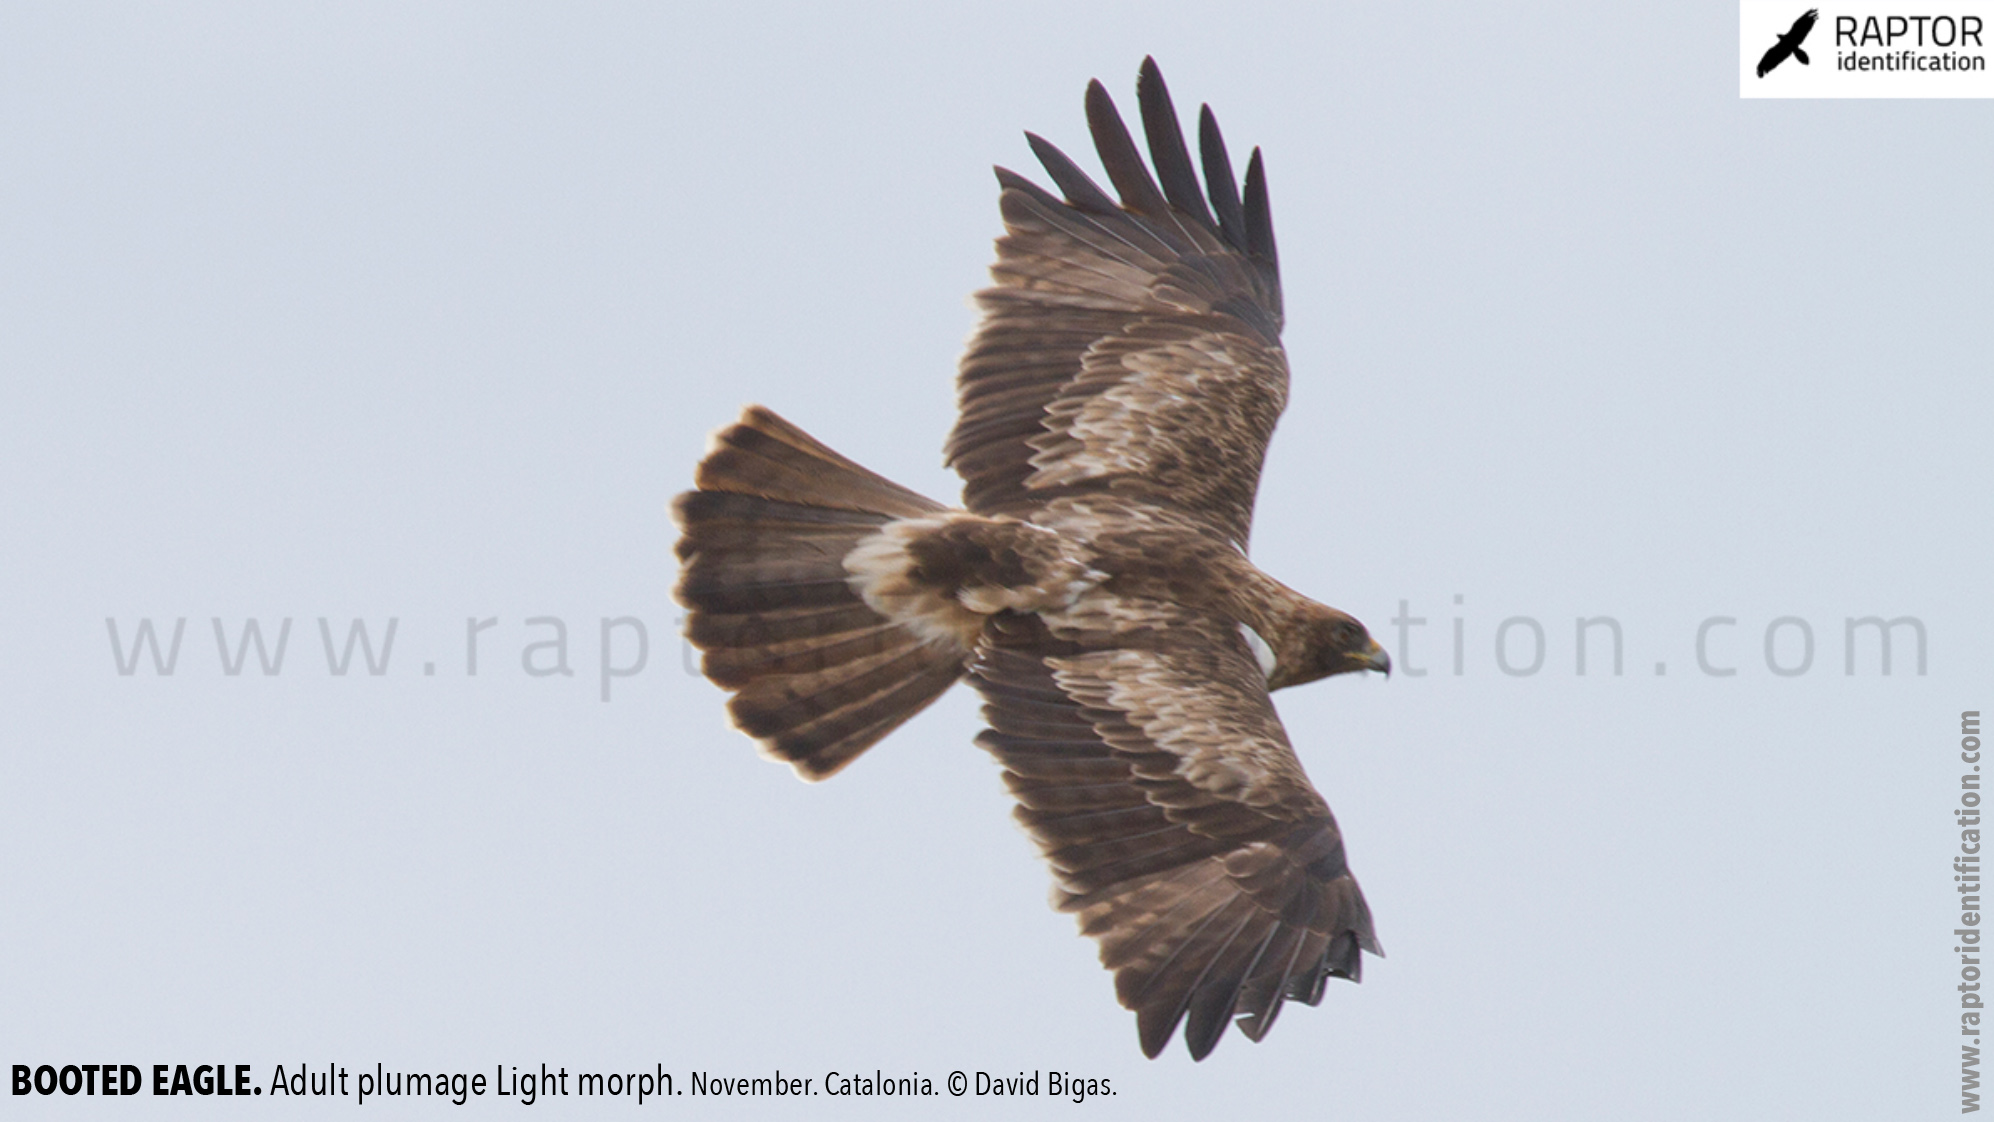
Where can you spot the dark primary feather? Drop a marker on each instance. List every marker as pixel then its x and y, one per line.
pixel 1119 156
pixel 1166 146
pixel 1219 183
pixel 1259 215
pixel 1080 189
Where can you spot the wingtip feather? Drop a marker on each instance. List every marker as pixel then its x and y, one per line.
pixel 1219 183
pixel 1259 214
pixel 1119 157
pixel 1166 146
pixel 1080 190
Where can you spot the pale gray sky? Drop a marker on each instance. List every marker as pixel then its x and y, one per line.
pixel 424 311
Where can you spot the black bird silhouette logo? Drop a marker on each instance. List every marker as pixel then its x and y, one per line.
pixel 1789 43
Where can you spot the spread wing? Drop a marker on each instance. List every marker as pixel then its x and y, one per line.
pixel 1131 346
pixel 1154 774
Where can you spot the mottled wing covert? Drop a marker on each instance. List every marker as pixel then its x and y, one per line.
pixel 1131 347
pixel 1155 776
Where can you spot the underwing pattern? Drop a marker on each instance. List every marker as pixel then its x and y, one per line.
pixel 1116 403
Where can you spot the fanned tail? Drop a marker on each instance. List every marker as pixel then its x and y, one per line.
pixel 817 675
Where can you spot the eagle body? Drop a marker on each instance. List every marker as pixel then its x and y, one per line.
pixel 1094 567
pixel 1115 407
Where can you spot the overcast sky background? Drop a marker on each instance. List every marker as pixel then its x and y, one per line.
pixel 425 312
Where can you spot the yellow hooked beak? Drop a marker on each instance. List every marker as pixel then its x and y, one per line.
pixel 1377 659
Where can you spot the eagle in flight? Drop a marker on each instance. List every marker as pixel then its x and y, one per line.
pixel 1115 406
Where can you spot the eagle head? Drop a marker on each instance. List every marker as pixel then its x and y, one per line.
pixel 1323 643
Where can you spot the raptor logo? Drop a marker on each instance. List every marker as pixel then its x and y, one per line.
pixel 1789 43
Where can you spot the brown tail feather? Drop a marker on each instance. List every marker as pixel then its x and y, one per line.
pixel 764 455
pixel 818 676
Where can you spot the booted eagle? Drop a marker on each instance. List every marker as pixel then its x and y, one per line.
pixel 1116 403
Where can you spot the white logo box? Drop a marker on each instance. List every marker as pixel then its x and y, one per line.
pixel 1878 48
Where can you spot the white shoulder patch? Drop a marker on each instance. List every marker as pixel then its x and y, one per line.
pixel 1262 653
